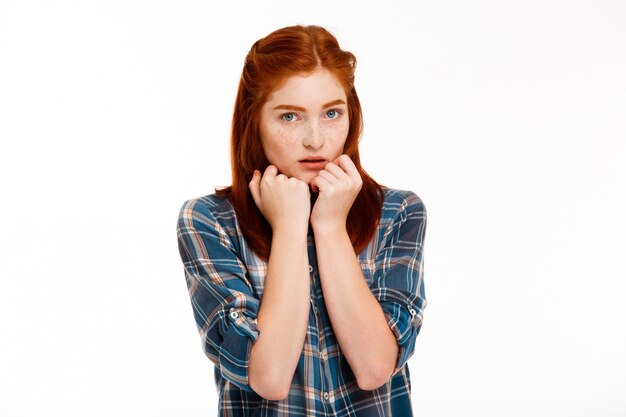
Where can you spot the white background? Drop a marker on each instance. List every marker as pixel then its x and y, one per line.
pixel 506 118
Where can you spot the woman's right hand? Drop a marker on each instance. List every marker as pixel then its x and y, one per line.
pixel 285 202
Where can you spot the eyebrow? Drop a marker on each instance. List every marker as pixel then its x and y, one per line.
pixel 298 108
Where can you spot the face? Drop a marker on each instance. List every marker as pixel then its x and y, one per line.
pixel 306 118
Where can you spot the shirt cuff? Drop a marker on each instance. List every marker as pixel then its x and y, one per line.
pixel 404 313
pixel 238 332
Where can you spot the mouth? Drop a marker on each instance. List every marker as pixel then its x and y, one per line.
pixel 313 159
pixel 313 163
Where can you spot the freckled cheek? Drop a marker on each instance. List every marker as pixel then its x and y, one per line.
pixel 335 131
pixel 336 134
pixel 294 134
pixel 282 143
pixel 286 139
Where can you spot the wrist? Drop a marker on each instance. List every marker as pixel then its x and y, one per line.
pixel 329 228
pixel 290 232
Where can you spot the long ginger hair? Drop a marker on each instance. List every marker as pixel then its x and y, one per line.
pixel 289 51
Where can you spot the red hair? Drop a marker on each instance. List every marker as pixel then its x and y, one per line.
pixel 271 60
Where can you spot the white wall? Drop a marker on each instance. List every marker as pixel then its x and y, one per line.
pixel 507 118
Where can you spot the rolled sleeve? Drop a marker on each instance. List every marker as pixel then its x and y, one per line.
pixel 224 307
pixel 398 282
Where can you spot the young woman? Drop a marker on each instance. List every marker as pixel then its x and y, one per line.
pixel 305 275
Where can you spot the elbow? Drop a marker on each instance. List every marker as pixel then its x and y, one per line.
pixel 379 375
pixel 265 382
pixel 264 378
pixel 268 389
pixel 370 384
pixel 375 380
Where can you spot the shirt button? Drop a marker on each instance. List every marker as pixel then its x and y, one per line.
pixel 233 313
pixel 323 356
pixel 310 268
pixel 413 313
pixel 326 396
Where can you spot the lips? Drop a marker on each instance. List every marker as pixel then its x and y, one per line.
pixel 313 159
pixel 313 164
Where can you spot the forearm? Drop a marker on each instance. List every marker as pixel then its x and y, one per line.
pixel 357 318
pixel 283 316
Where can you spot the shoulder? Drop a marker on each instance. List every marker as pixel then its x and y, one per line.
pixel 210 204
pixel 403 219
pixel 399 201
pixel 209 209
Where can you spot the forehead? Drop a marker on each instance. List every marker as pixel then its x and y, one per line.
pixel 315 88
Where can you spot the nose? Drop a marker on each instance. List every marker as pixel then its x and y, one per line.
pixel 314 138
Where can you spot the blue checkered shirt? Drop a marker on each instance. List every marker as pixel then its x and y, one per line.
pixel 225 282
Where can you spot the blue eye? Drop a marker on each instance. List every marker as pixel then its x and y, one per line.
pixel 333 114
pixel 288 117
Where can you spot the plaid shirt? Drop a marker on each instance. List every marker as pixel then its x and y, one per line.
pixel 225 282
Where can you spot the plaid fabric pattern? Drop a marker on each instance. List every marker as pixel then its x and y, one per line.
pixel 225 282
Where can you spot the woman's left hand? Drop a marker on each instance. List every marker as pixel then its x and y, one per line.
pixel 338 183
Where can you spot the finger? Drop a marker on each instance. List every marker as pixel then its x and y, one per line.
pixel 297 181
pixel 348 166
pixel 328 176
pixel 314 186
pixel 320 183
pixel 271 171
pixel 334 169
pixel 255 189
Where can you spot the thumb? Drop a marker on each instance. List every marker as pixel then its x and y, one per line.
pixel 255 188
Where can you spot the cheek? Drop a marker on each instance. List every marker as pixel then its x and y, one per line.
pixel 337 132
pixel 279 141
pixel 288 136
